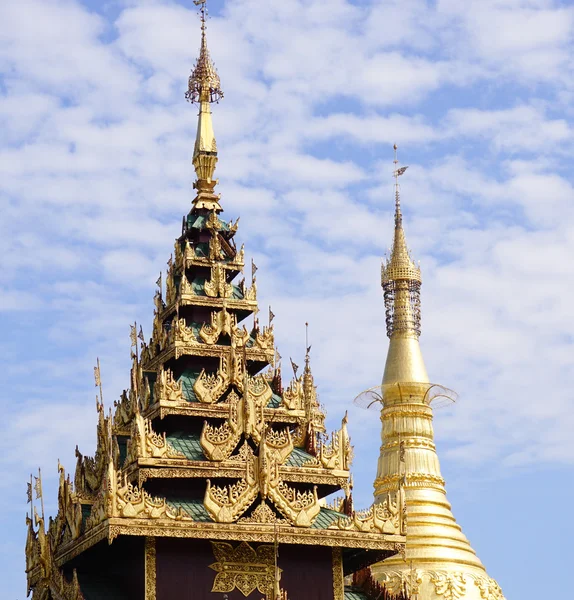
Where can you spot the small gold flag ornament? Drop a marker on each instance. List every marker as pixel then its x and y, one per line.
pixel 295 367
pixel 38 487
pixel 133 335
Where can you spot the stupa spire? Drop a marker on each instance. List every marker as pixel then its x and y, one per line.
pixel 401 282
pixel 204 87
pixel 440 562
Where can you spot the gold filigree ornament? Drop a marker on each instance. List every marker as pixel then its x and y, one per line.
pixel 300 507
pixel 181 333
pixel 489 588
pixel 384 517
pixel 209 387
pixel 222 322
pixel 150 569
pixel 339 452
pixel 226 504
pixel 263 514
pixel 293 397
pixel 450 585
pixel 398 582
pixel 218 442
pixel 217 285
pixel 167 388
pixel 265 340
pixel 279 443
pixel 244 568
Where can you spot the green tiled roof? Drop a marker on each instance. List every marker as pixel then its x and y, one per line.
pixel 197 285
pixel 236 292
pixel 188 444
pixel 187 379
pixel 353 593
pixel 194 508
pixel 198 222
pixel 202 249
pixel 325 518
pixel 298 457
pixel 275 401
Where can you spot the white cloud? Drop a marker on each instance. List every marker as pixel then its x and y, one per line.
pixel 96 173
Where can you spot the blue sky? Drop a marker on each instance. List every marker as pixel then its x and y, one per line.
pixel 95 175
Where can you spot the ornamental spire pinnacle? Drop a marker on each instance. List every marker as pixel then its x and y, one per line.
pixel 400 277
pixel 439 562
pixel 204 88
pixel 401 282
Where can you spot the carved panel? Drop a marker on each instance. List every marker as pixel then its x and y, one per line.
pixel 243 568
pixel 150 569
pixel 338 583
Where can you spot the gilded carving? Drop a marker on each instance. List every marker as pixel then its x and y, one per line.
pixel 222 322
pixel 167 388
pixel 339 452
pixel 185 287
pixel 279 443
pixel 135 502
pixel 146 443
pixel 150 569
pixel 265 340
pixel 293 397
pixel 209 387
pixel 217 285
pixel 263 514
pixel 170 288
pixel 218 442
pixel 68 522
pixel 384 517
pixel 226 504
pixel 338 581
pixel 243 568
pixel 251 293
pixel 489 588
pixel 246 438
pixel 398 582
pixel 180 332
pixel 300 507
pixel 44 576
pixel 245 453
pixel 450 585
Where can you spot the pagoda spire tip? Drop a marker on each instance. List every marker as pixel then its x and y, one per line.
pixel 204 84
pixel 204 87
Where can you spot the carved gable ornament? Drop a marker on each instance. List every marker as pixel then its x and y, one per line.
pixel 243 568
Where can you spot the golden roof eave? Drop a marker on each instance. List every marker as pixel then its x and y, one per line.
pixel 159 468
pixel 113 527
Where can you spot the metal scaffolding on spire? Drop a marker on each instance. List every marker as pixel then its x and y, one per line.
pixel 400 277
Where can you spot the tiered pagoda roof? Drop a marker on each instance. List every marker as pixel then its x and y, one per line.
pixel 207 443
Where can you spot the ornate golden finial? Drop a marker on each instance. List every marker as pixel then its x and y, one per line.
pixel 204 83
pixel 307 348
pixel 204 88
pixel 396 174
pixel 400 277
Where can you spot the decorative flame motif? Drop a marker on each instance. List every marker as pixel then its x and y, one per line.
pixel 244 568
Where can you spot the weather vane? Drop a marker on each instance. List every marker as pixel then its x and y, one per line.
pixel 203 11
pixel 396 174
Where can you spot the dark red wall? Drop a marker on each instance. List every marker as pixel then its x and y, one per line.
pixel 183 571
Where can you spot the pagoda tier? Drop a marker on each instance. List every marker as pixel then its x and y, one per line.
pixel 210 477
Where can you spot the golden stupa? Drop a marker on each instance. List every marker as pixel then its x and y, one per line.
pixel 440 563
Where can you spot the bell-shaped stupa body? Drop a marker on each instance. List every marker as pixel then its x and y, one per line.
pixel 440 563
